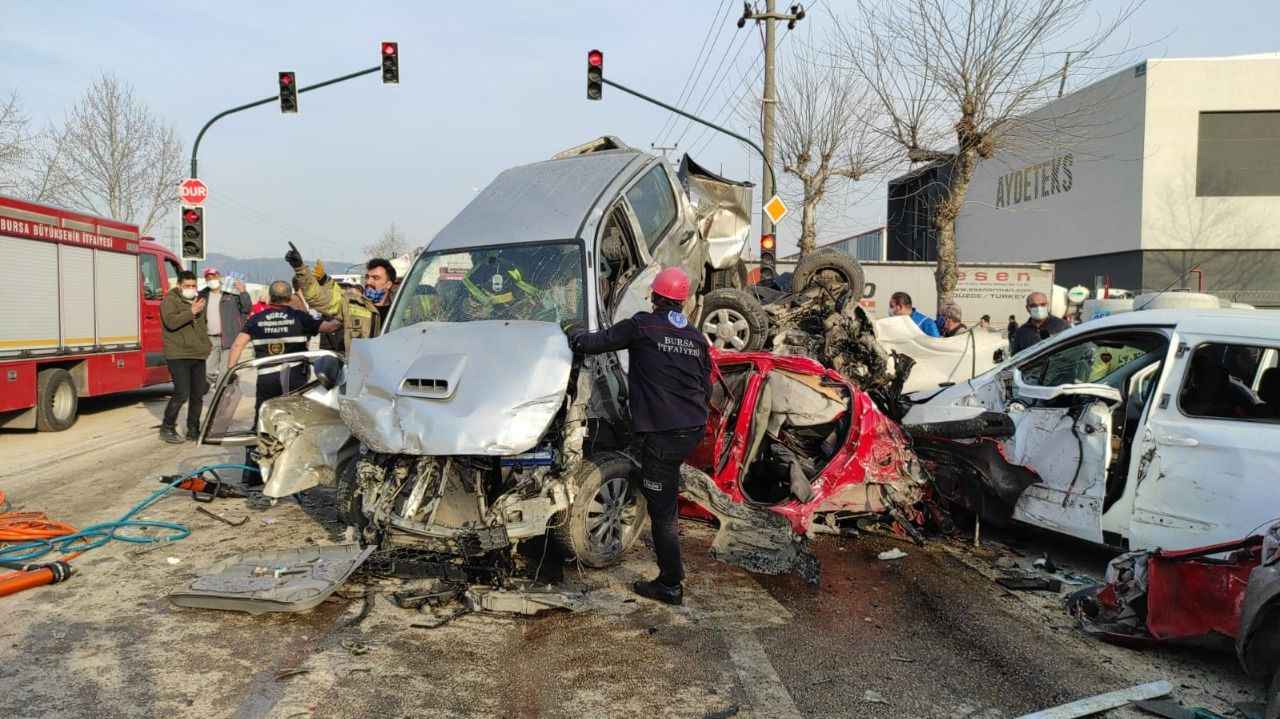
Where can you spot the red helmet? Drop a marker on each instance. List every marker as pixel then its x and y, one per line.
pixel 672 283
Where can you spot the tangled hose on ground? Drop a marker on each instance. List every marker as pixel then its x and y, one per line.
pixel 43 535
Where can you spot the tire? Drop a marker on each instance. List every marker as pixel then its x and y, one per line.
pixel 56 400
pixel 822 264
pixel 987 424
pixel 347 499
pixel 733 320
pixel 607 513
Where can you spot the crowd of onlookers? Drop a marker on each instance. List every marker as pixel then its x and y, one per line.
pixel 950 320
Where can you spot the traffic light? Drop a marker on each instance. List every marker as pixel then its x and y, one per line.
pixel 193 233
pixel 595 74
pixel 288 92
pixel 391 63
pixel 768 258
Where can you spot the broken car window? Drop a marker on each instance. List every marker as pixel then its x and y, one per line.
pixel 1097 360
pixel 653 204
pixel 542 281
pixel 1230 381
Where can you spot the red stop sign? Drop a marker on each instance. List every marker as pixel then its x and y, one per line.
pixel 193 192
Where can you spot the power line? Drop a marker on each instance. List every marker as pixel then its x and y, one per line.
pixel 702 68
pixel 715 79
pixel 715 21
pixel 734 99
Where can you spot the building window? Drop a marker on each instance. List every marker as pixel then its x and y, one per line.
pixel 1238 154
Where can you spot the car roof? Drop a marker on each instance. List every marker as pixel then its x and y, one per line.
pixel 546 200
pixel 1242 323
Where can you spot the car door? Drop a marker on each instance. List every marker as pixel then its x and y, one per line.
pixel 1207 466
pixel 153 289
pixel 1064 402
pixel 666 239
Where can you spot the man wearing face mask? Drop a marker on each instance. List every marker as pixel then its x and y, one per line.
pixel 358 315
pixel 229 307
pixel 1041 324
pixel 379 284
pixel 186 347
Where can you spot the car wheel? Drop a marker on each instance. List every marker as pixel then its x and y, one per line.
pixel 56 400
pixel 733 320
pixel 348 499
pixel 827 267
pixel 607 512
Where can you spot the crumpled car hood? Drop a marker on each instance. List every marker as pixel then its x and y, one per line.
pixel 443 388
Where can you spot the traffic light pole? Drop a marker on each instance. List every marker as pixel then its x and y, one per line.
pixel 195 148
pixel 764 199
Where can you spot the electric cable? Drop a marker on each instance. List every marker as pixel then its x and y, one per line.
pixel 701 69
pixel 715 20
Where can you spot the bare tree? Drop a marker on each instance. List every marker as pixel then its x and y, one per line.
pixel 393 243
pixel 111 157
pixel 955 77
pixel 15 145
pixel 825 132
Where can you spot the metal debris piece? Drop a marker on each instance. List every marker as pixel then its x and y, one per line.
pixel 221 518
pixel 295 580
pixel 285 674
pixel 1103 702
pixel 894 553
pixel 355 648
pixel 871 696
pixel 527 602
pixel 1024 582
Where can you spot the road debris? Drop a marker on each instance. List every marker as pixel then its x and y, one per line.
pixel 285 674
pixel 1103 702
pixel 355 648
pixel 1024 581
pixel 221 518
pixel 871 696
pixel 891 554
pixel 290 580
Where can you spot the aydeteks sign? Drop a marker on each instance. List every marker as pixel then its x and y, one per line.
pixel 1031 183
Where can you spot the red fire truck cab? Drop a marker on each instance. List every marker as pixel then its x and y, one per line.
pixel 79 312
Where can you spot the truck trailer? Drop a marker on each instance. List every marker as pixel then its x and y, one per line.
pixel 79 313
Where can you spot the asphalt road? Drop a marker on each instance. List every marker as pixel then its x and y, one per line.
pixel 925 636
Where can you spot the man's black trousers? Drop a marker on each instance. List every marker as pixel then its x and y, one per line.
pixel 189 386
pixel 661 454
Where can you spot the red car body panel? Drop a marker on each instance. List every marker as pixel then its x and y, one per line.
pixel 872 456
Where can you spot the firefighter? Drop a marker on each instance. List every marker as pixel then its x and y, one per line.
pixel 280 329
pixel 669 387
pixel 358 316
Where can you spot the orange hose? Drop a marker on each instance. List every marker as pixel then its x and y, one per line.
pixel 24 527
pixel 15 582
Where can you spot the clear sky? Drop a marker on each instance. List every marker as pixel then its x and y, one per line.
pixel 484 86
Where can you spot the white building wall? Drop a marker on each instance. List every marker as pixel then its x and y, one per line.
pixel 1178 90
pixel 1015 212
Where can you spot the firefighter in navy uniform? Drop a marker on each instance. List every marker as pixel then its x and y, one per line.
pixel 669 383
pixel 279 329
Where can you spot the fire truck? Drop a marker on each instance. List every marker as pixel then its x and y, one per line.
pixel 79 312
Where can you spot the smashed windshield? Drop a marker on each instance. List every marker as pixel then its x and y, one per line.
pixel 513 282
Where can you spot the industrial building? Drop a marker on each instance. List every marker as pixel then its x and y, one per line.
pixel 1164 175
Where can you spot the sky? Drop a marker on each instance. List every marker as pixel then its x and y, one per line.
pixel 484 86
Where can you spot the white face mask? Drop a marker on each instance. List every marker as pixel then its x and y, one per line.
pixel 215 284
pixel 189 293
pixel 1039 312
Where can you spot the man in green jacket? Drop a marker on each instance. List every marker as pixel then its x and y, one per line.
pixel 186 347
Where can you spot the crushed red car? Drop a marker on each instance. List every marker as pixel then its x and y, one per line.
pixel 1224 596
pixel 793 448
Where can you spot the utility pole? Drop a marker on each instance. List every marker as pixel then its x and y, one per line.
pixel 665 148
pixel 770 99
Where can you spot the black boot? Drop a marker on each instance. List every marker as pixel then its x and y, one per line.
pixel 193 434
pixel 170 435
pixel 660 592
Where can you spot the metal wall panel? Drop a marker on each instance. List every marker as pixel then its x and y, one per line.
pixel 116 289
pixel 75 272
pixel 28 296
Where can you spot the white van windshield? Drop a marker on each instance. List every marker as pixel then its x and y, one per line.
pixel 541 281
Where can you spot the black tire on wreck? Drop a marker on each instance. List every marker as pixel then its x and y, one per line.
pixel 733 319
pixel 607 513
pixel 348 500
pixel 826 266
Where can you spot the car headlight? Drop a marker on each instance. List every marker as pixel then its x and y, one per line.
pixel 1271 544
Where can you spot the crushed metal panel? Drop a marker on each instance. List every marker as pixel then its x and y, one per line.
pixel 756 540
pixel 501 403
pixel 287 580
pixel 309 436
pixel 527 601
pixel 1070 454
pixel 722 211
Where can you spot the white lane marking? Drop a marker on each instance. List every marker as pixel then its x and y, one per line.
pixel 769 697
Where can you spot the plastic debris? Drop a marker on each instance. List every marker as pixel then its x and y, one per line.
pixel 894 553
pixel 871 696
pixel 173 560
pixel 1103 702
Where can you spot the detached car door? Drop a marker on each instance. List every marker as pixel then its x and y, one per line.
pixel 1207 465
pixel 1065 409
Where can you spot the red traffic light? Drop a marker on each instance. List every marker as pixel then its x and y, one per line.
pixel 190 216
pixel 286 79
pixel 595 58
pixel 766 243
pixel 388 48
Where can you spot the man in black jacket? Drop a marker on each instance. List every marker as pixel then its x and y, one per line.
pixel 669 383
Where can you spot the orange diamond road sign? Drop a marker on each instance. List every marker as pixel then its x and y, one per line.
pixel 775 209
